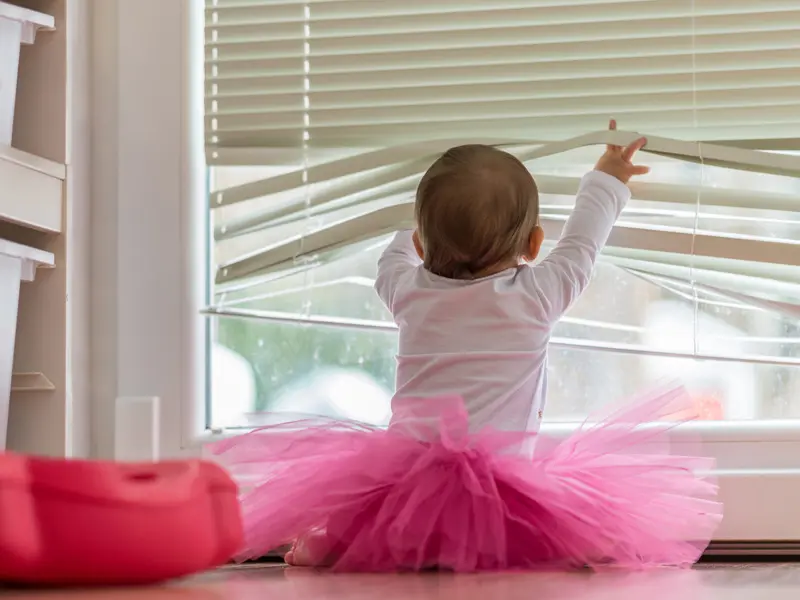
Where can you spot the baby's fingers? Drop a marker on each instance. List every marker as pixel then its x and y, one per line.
pixel 639 170
pixel 633 148
pixel 612 126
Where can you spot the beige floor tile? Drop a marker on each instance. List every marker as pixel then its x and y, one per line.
pixel 728 582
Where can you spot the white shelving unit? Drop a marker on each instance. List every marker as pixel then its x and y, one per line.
pixel 44 216
pixel 18 263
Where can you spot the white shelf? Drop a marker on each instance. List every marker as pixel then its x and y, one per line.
pixel 31 20
pixel 31 382
pixel 31 258
pixel 31 190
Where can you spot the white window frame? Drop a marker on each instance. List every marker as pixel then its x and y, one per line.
pixel 148 219
pixel 149 226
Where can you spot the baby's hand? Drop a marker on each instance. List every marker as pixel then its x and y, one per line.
pixel 617 160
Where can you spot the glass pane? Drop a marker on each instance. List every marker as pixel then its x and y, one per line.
pixel 621 305
pixel 638 301
pixel 581 381
pixel 340 372
pixel 347 373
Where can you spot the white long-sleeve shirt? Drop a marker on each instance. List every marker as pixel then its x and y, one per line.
pixel 486 339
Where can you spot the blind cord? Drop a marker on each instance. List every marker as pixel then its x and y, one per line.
pixel 698 198
pixel 308 275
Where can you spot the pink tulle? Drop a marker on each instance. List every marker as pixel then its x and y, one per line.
pixel 425 493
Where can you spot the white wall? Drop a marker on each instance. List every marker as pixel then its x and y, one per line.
pixel 78 223
pixel 145 292
pixel 104 224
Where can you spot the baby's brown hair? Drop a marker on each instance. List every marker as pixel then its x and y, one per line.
pixel 476 208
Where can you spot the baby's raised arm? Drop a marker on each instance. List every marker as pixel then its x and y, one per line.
pixel 399 258
pixel 563 275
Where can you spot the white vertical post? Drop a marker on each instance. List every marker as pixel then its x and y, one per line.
pixel 136 429
pixel 10 273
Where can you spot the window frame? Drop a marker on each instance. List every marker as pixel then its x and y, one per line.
pixel 172 266
pixel 148 276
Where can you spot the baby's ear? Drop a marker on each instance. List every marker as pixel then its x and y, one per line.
pixel 535 242
pixel 418 245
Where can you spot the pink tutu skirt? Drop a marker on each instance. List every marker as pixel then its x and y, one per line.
pixel 427 493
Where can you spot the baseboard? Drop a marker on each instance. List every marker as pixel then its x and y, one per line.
pixel 752 550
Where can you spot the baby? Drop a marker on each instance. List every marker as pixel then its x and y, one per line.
pixel 474 318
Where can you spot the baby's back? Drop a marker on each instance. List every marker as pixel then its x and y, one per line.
pixel 483 340
pixel 486 339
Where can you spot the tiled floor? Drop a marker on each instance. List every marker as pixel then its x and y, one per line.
pixel 728 582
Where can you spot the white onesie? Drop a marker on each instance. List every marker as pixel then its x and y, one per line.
pixel 486 339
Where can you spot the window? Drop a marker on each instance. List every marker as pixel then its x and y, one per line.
pixel 321 116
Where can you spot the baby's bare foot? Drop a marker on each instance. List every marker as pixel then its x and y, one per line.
pixel 311 550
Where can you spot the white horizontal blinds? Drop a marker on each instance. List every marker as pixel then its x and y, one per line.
pixel 364 197
pixel 371 73
pixel 368 92
pixel 261 58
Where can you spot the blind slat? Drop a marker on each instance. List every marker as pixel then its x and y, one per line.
pixel 625 71
pixel 523 102
pixel 651 31
pixel 767 280
pixel 556 21
pixel 259 59
pixel 388 219
pixel 249 11
pixel 402 183
pixel 255 10
pixel 360 164
pixel 748 86
pixel 714 123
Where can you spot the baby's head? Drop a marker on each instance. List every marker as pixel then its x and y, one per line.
pixel 477 213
